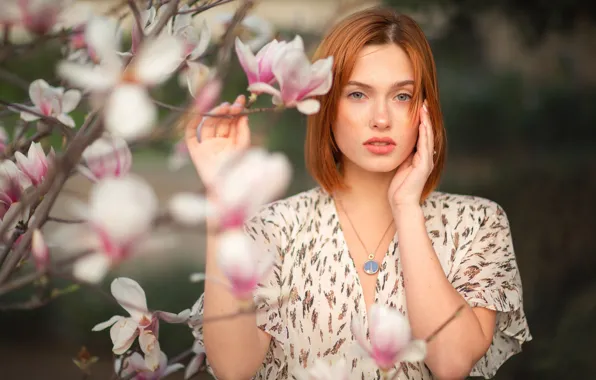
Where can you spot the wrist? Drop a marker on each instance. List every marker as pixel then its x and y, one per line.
pixel 406 212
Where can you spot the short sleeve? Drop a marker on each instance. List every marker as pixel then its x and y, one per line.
pixel 488 276
pixel 271 230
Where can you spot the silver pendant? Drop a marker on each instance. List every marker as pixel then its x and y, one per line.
pixel 371 267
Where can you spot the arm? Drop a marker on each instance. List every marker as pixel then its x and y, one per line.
pixel 431 299
pixel 235 347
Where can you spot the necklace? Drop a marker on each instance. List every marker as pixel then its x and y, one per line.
pixel 370 266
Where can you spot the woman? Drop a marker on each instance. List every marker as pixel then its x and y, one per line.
pixel 374 231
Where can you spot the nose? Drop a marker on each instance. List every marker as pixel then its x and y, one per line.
pixel 380 117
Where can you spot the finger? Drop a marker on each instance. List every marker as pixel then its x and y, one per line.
pixel 223 129
pixel 429 132
pixel 208 124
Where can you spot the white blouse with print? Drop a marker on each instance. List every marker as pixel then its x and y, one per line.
pixel 312 294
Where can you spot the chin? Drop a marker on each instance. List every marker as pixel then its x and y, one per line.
pixel 379 165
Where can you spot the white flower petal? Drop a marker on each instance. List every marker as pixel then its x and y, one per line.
pixel 28 116
pixel 204 39
pixel 131 297
pixel 70 100
pixel 130 113
pixel 37 91
pixel 360 335
pixel 124 207
pixel 308 106
pixel 260 87
pixel 247 61
pixel 158 59
pixel 66 120
pixel 173 318
pixel 414 352
pixel 92 268
pixel 193 366
pixel 101 34
pixel 95 78
pixel 123 334
pixel 150 346
pixel 171 369
pixel 106 324
pixel 189 209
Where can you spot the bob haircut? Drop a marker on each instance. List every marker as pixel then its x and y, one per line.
pixel 373 26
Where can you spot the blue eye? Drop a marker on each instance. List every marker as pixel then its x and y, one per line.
pixel 404 97
pixel 356 95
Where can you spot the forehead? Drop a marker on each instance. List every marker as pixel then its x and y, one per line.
pixel 378 64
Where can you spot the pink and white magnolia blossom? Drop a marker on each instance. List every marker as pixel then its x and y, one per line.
pixel 298 81
pixel 142 324
pixel 259 68
pixel 13 184
pixel 129 110
pixel 50 101
pixel 322 370
pixel 244 184
pixel 108 156
pixel 195 40
pixel 35 164
pixel 189 209
pixel 135 366
pixel 243 263
pixel 117 223
pixel 36 16
pixel 390 338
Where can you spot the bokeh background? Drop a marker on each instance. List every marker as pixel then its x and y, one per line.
pixel 518 91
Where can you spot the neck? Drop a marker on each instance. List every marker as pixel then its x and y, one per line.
pixel 365 189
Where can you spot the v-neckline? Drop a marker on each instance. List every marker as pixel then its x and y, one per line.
pixel 343 245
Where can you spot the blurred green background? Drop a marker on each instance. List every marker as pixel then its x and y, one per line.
pixel 518 91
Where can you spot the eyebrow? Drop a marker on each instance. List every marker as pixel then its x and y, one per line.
pixel 399 84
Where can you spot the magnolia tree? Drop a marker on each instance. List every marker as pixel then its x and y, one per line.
pixel 112 85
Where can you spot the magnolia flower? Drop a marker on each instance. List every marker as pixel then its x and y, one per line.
pixel 298 80
pixel 254 30
pixel 13 183
pixel 244 184
pixel 195 75
pixel 242 262
pixel 390 338
pixel 108 156
pixel 129 110
pixel 197 360
pixel 40 250
pixel 134 364
pixel 116 224
pixel 142 323
pixel 50 101
pixel 322 370
pixel 37 16
pixel 259 68
pixel 36 164
pixel 195 41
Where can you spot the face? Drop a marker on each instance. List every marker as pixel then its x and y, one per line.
pixel 373 129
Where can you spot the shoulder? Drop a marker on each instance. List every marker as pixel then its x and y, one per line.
pixel 287 212
pixel 461 208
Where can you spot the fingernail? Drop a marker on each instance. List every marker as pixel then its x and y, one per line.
pixel 225 103
pixel 425 107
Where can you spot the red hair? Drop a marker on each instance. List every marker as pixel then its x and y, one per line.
pixel 375 26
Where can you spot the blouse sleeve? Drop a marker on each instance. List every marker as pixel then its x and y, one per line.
pixel 269 230
pixel 487 276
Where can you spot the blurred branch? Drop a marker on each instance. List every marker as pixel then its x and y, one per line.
pixel 9 77
pixel 137 17
pixel 170 11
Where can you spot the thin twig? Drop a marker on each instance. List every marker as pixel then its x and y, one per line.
pixel 62 220
pixel 448 321
pixel 225 116
pixel 65 129
pixel 204 8
pixel 170 11
pixel 137 16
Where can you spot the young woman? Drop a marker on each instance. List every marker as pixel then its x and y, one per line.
pixel 374 231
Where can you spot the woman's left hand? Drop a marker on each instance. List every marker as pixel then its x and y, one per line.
pixel 408 183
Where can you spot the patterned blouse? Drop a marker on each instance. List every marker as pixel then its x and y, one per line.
pixel 312 294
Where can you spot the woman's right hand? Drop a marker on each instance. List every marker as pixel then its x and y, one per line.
pixel 217 137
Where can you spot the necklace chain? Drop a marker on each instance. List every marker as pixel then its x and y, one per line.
pixel 372 255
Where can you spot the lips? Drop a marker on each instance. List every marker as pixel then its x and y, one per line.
pixel 380 145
